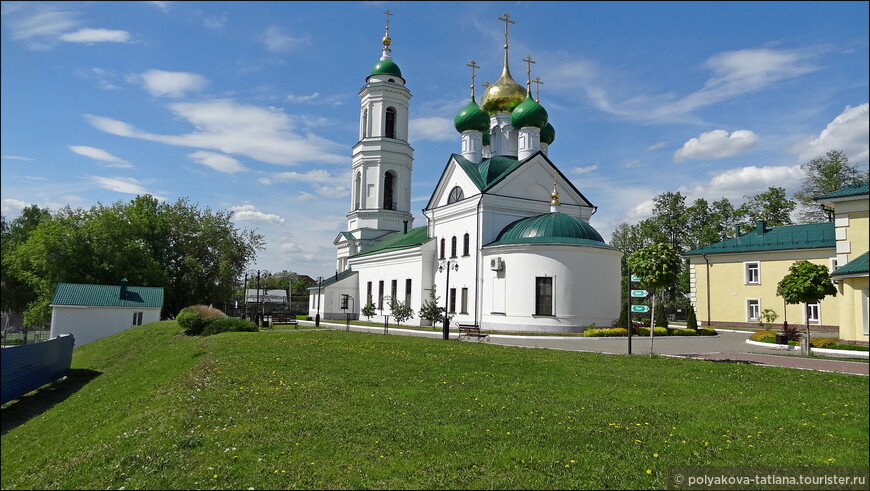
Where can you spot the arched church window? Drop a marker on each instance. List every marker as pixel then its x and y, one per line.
pixel 390 126
pixel 443 248
pixel 456 194
pixel 466 242
pixel 389 184
pixel 453 247
pixel 357 190
pixel 365 123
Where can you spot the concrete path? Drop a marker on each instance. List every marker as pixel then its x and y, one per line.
pixel 728 345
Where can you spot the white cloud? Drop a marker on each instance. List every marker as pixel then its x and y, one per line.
pixel 849 132
pixel 740 181
pixel 267 135
pixel 433 129
pixel 126 185
pixel 278 41
pixel 11 207
pixel 96 36
pixel 164 6
pixel 15 157
pixel 218 162
pixel 161 83
pixel 214 22
pixel 656 146
pixel 304 99
pixel 584 170
pixel 314 175
pixel 101 155
pixel 250 213
pixel 46 22
pixel 717 144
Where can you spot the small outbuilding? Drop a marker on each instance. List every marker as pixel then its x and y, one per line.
pixel 92 312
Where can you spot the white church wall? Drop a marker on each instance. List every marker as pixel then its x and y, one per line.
pixel 586 287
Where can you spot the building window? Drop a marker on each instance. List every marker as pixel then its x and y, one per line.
pixel 753 273
pixel 394 288
pixel 466 245
pixel 544 295
pixel 452 301
pixel 464 302
pixel 357 191
pixel 408 292
pixel 137 318
pixel 365 123
pixel 453 247
pixel 381 295
pixel 456 194
pixel 390 126
pixel 753 310
pixel 813 312
pixel 368 292
pixel 443 248
pixel 388 191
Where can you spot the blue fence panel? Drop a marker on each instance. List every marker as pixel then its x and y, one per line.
pixel 30 366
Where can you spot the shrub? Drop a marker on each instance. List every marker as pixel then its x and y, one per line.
pixel 682 332
pixel 707 331
pixel 661 317
pixel 791 333
pixel 659 331
pixel 691 319
pixel 606 332
pixel 303 317
pixel 228 324
pixel 823 342
pixel 196 317
pixel 762 335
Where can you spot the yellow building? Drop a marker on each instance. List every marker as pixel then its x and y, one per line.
pixel 852 231
pixel 732 282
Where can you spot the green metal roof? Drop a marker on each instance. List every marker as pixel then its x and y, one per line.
pixel 855 267
pixel 788 237
pixel 107 295
pixel 334 279
pixel 398 241
pixel 550 228
pixel 846 192
pixel 548 134
pixel 488 172
pixel 386 67
pixel 529 113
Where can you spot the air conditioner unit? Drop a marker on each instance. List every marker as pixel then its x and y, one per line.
pixel 496 264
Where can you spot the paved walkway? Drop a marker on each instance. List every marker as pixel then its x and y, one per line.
pixel 729 345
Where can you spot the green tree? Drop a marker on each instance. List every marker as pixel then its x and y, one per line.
pixel 691 319
pixel 806 283
pixel 661 318
pixel 824 175
pixel 430 310
pixel 368 310
pixel 658 267
pixel 401 311
pixel 771 206
pixel 16 294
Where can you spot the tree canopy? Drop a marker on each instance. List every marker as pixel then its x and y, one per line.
pixel 825 175
pixel 195 254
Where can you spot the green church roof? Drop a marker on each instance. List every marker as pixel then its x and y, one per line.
pixel 549 228
pixel 333 279
pixel 846 192
pixel 529 114
pixel 488 172
pixel 471 117
pixel 548 134
pixel 398 241
pixel 788 237
pixel 855 267
pixel 107 296
pixel 386 67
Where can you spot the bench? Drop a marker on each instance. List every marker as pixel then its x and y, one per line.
pixel 285 319
pixel 469 330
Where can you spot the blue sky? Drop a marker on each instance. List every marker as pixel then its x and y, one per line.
pixel 253 106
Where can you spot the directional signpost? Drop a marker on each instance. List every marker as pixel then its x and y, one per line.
pixel 633 308
pixel 639 308
pixel 639 293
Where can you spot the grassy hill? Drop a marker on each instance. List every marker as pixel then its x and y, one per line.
pixel 152 408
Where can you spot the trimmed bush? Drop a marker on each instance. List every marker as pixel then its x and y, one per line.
pixel 196 317
pixel 303 317
pixel 762 335
pixel 606 332
pixel 706 331
pixel 228 324
pixel 659 331
pixel 691 319
pixel 823 342
pixel 682 332
pixel 661 317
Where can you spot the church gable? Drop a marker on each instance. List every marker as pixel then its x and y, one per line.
pixel 458 173
pixel 533 180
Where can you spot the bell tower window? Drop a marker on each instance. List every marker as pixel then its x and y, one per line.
pixel 389 194
pixel 357 190
pixel 390 123
pixel 365 123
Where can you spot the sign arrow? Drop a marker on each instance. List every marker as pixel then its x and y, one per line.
pixel 634 278
pixel 639 308
pixel 639 293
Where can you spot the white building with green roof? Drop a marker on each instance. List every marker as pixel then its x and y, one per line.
pixel 92 312
pixel 505 225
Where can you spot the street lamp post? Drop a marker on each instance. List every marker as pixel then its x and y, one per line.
pixel 256 272
pixel 447 265
pixel 319 286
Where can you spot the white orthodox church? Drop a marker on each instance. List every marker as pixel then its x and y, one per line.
pixel 507 243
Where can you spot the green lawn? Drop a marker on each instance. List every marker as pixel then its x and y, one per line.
pixel 333 409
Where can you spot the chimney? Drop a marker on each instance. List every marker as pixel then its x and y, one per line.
pixel 406 226
pixel 759 227
pixel 123 289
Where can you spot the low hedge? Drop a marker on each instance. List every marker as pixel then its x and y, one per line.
pixel 606 332
pixel 682 332
pixel 762 335
pixel 229 324
pixel 707 331
pixel 659 331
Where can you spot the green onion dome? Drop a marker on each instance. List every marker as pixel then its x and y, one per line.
pixel 386 67
pixel 486 136
pixel 529 114
pixel 471 117
pixel 548 134
pixel 554 227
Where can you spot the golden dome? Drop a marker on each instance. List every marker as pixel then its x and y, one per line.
pixel 504 95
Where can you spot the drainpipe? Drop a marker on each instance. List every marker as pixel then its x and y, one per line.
pixel 477 254
pixel 708 289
